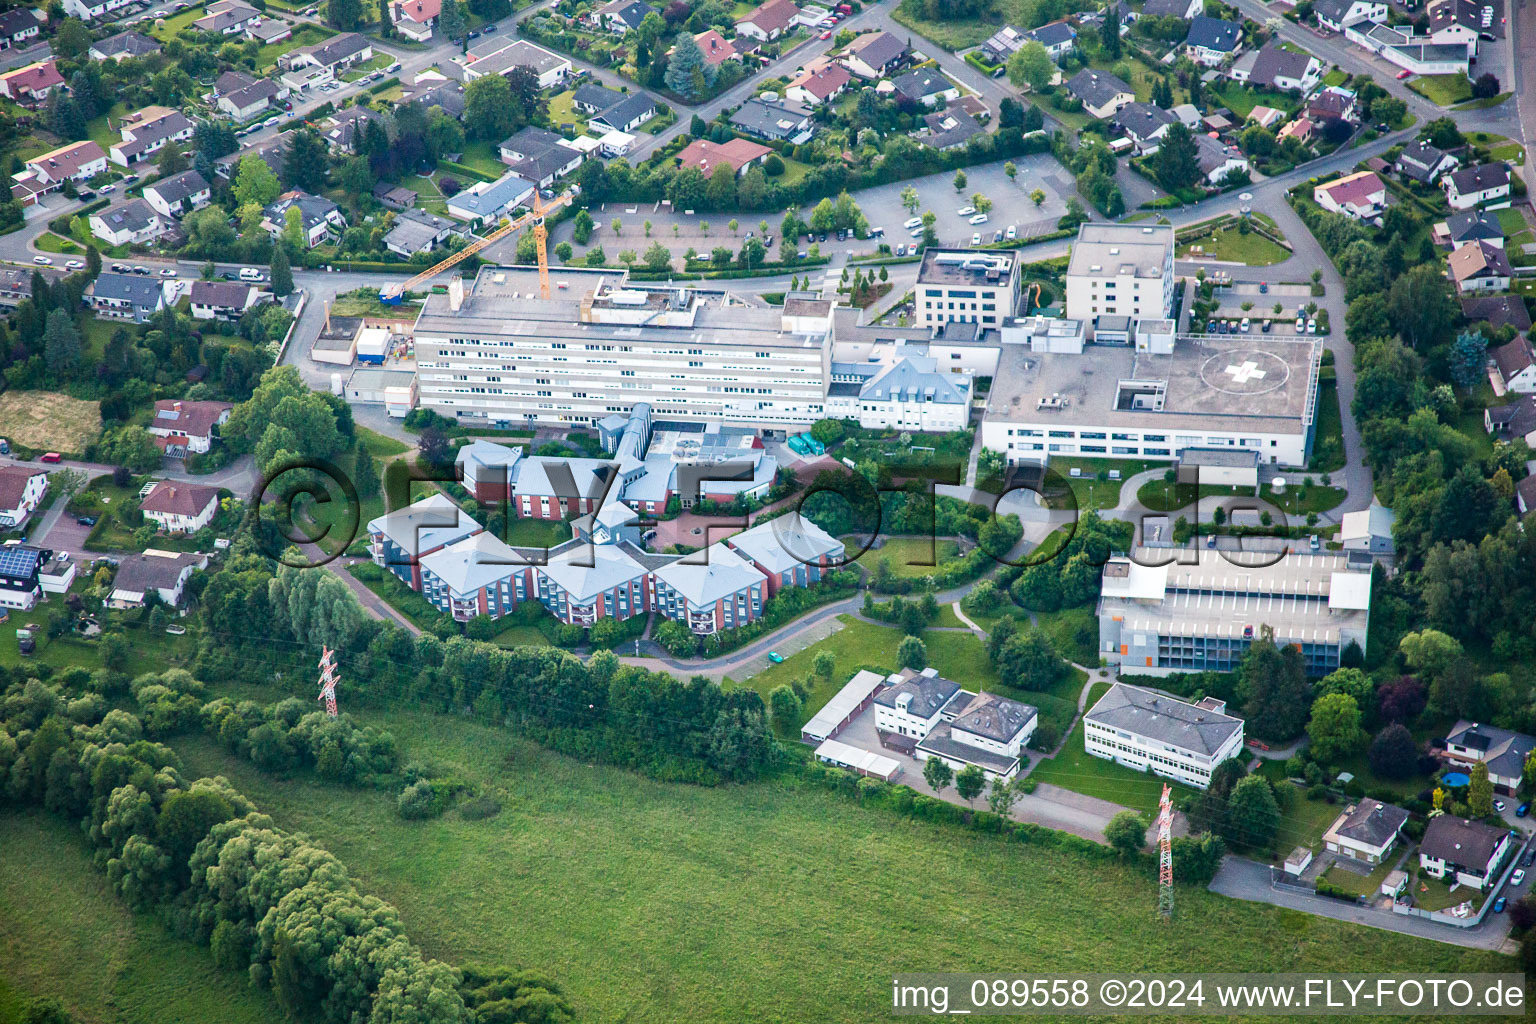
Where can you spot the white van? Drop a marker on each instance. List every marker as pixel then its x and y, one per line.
pixel 250 274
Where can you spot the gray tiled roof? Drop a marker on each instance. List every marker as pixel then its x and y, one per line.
pixel 1163 718
pixel 1097 88
pixel 1372 822
pixel 929 693
pixel 1213 33
pixel 180 186
pixel 1504 751
pixel 1459 841
pixel 141 291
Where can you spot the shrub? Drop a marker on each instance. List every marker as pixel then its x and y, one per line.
pixel 418 801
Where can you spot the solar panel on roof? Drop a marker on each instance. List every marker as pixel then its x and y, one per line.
pixel 18 561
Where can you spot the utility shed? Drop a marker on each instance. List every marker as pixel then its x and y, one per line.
pixel 864 762
pixel 835 715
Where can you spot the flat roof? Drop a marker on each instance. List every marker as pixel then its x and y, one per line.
pixel 1258 383
pixel 865 761
pixel 1113 249
pixel 966 266
pixel 855 692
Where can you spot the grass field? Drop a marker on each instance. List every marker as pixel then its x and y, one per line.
pixel 50 242
pixel 536 533
pixel 1161 496
pixel 657 902
pixel 1088 489
pixel 1302 500
pixel 1231 244
pixel 49 420
pixel 908 557
pixel 1446 90
pixel 1355 882
pixel 64 933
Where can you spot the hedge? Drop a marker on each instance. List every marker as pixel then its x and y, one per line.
pixel 60 224
pixel 464 169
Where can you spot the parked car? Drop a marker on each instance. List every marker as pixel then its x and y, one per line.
pixel 997 236
pixel 85 195
pixel 74 264
pixel 43 261
pixel 916 232
pixel 1314 543
pixel 1403 74
pixel 1311 326
pixel 1518 877
pixel 1523 809
pixel 901 250
pixel 129 179
pixel 1498 805
pixel 966 211
pixel 1266 325
pixel 108 188
pixel 915 222
pixel 48 457
pixel 1246 325
pixel 86 520
pixel 141 270
pixel 979 218
pixel 119 268
pixel 1301 324
pixel 1498 904
pixel 976 238
pixel 167 271
pixel 1528 859
pixel 775 657
pixel 1011 233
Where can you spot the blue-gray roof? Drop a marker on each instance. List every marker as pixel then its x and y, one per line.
pixel 141 291
pixel 1213 33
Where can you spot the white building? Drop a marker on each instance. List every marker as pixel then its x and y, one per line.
pixel 1123 270
pixel 1503 751
pixel 180 507
pixel 1486 186
pixel 1144 729
pixel 967 286
pixel 1195 610
pixel 983 730
pixel 164 572
pixel 1366 831
pixel 21 492
pixel 910 394
pixel 1462 852
pixel 914 702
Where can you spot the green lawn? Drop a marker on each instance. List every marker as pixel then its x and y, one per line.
pixel 1444 90
pixel 166 29
pixel 1355 882
pixel 50 242
pixel 1091 492
pixel 375 63
pixel 63 932
pixel 908 557
pixel 1298 500
pixel 304 34
pixel 1329 428
pixel 1337 76
pixel 380 446
pixel 1511 220
pixel 1243 98
pixel 1161 496
pixel 1075 769
pixel 1430 893
pixel 536 533
pixel 655 902
pixel 562 110
pixel 484 157
pixel 1252 249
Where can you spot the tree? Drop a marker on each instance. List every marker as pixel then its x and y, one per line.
pixel 1486 87
pixel 658 257
pixel 1277 693
pixel 937 773
pixel 1392 754
pixel 1109 31
pixel 959 181
pixel 824 664
pixel 255 184
pixel 1177 162
pixel 1480 791
pixel 909 199
pixel 784 707
pixel 982 203
pixel 969 782
pixel 1001 797
pixel 912 653
pixel 282 274
pixel 61 344
pixel 1253 816
pixel 686 72
pixel 450 23
pixel 488 110
pixel 1420 305
pixel 344 14
pixel 1469 355
pixel 1335 727
pixel 92 261
pixel 1012 170
pixel 1126 833
pixel 1037 197
pixel 72 39
pixel 1390 110
pixel 1030 66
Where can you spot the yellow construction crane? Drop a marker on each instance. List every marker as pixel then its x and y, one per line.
pixel 391 294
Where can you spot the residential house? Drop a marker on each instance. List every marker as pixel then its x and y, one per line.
pixel 738 154
pixel 548 67
pixel 1338 14
pixel 179 194
pixel 1503 751
pixel 164 572
pixel 344 130
pixel 774 120
pixel 1369 530
pixel 415 19
pixel 1480 267
pixel 1516 365
pixel 1058 38
pixel 1145 124
pixel 241 97
pixel 1218 160
pixel 123 46
pixel 190 423
pixel 1335 102
pixel 488 200
pixel 227 18
pixel 318 216
pixel 540 155
pixel 791 551
pixel 22 489
pixel 221 300
pixel 273 154
pixel 1360 196
pixel 1421 162
pixel 820 86
pixel 613 111
pixel 31 85
pixel 950 128
pixel 180 507
pixel 1525 498
pixel 16 283
pixel 1468 227
pixel 125 296
pixel 1461 23
pixel 268 31
pixel 147 132
pixel 1497 310
pixel 444 93
pixel 1152 731
pixel 1184 10
pixel 1002 44
pixel 1459 851
pixel 1102 94
pixel 1261 115
pixel 618 16
pixel 417 231
pixel 1486 185
pixel 1515 421
pixel 1301 129
pixel 587 582
pixel 20 576
pixel 984 730
pixel 19 26
pixel 716 48
pixel 874 54
pixel 1213 41
pixel 90 10
pixel 770 21
pixel 478 575
pixel 709 591
pixel 1366 831
pixel 927 86
pixel 131 222
pixel 1275 67
pixel 333 55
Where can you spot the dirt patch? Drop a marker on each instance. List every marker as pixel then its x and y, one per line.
pixel 49 420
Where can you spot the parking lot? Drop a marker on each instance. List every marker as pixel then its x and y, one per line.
pixel 1012 206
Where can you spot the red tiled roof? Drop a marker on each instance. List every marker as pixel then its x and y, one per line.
pixel 193 418
pixel 716 48
pixel 824 82
pixel 419 11
pixel 178 499
pixel 1355 190
pixel 33 77
pixel 706 155
pixel 13 484
pixel 773 16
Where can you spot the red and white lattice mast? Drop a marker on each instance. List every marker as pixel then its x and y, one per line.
pixel 1165 856
pixel 328 682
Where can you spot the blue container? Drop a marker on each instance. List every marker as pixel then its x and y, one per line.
pixel 1454 779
